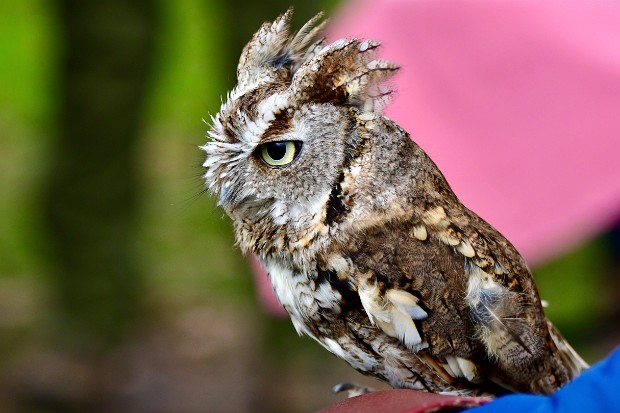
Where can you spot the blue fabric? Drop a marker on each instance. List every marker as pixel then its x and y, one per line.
pixel 595 390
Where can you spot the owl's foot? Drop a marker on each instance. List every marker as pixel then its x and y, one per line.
pixel 352 389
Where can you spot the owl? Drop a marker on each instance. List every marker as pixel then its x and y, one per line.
pixel 366 246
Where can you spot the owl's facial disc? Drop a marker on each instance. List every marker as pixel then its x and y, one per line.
pixel 276 150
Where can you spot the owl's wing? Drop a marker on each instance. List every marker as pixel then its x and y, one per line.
pixel 506 310
pixel 414 291
pixel 457 294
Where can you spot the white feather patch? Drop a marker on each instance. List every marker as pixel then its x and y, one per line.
pixel 455 369
pixel 339 263
pixel 394 313
pixel 484 298
pixel 447 238
pixel 468 368
pixel 335 348
pixel 351 352
pixel 407 303
pixel 448 369
pixel 436 217
pixel 466 249
pixel 419 231
pixel 272 105
pixel 328 298
pixel 478 284
pixel 461 367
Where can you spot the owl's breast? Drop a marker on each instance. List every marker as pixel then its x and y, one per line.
pixel 306 299
pixel 328 310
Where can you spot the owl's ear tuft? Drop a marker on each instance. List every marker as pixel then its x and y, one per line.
pixel 273 47
pixel 346 73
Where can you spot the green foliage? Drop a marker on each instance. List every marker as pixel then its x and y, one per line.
pixel 575 289
pixel 188 76
pixel 28 66
pixel 28 61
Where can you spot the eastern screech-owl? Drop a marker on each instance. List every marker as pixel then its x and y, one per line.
pixel 366 245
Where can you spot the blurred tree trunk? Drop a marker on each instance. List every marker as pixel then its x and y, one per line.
pixel 92 186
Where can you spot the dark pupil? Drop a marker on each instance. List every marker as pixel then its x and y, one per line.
pixel 276 150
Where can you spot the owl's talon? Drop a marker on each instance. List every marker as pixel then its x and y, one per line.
pixel 352 389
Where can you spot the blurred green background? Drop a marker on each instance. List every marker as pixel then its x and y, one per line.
pixel 120 287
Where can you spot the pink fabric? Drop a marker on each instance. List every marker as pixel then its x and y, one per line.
pixel 517 101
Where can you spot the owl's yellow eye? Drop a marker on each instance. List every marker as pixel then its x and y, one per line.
pixel 279 153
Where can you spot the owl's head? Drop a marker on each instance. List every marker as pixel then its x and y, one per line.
pixel 279 142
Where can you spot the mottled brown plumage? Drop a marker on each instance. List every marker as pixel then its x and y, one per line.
pixel 366 245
